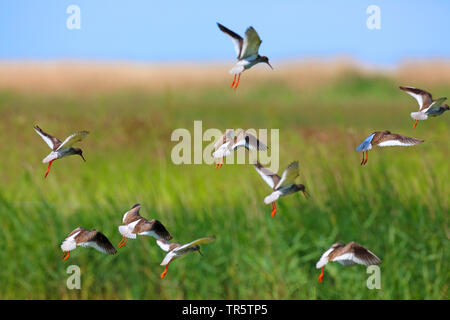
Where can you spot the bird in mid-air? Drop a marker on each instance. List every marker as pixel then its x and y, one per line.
pixel 61 149
pixel 246 50
pixel 385 139
pixel 427 106
pixel 88 239
pixel 134 224
pixel 229 142
pixel 176 250
pixel 347 255
pixel 281 186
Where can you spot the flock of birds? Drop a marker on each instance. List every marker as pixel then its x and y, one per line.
pixel 133 224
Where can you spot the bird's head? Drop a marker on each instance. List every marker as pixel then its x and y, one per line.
pixel 302 188
pixel 446 107
pixel 197 248
pixel 80 153
pixel 265 60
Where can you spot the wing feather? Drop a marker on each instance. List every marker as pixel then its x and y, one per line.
pixel 72 139
pixel 251 43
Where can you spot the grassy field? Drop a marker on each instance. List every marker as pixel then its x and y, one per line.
pixel 397 205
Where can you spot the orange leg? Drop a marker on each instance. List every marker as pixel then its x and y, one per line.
pixel 123 243
pixel 219 163
pixel 415 124
pixel 367 156
pixel 120 243
pixel 64 255
pixel 320 278
pixel 362 162
pixel 237 82
pixel 48 169
pixel 234 81
pixel 274 209
pixel 67 257
pixel 165 270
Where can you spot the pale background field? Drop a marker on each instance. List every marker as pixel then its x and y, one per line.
pixel 397 205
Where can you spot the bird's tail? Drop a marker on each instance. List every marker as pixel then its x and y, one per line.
pixel 272 197
pixel 126 232
pixel 419 116
pixel 68 245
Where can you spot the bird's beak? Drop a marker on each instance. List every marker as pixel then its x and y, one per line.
pixel 306 194
pixel 269 65
pixel 200 252
pixel 82 157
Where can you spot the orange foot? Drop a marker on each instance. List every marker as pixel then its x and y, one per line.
pixel 165 270
pixel 234 81
pixel 122 244
pixel 48 169
pixel 367 157
pixel 67 257
pixel 237 82
pixel 320 278
pixel 274 209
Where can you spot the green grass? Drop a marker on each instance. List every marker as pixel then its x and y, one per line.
pixel 397 205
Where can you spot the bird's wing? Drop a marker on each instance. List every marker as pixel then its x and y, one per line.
pixel 168 258
pixel 52 142
pixel 251 43
pixel 155 227
pixel 394 139
pixel 195 242
pixel 165 245
pixel 271 178
pixel 101 243
pixel 359 254
pixel 436 104
pixel 228 134
pixel 72 139
pixel 423 97
pixel 289 175
pixel 249 141
pixel 131 214
pixel 237 39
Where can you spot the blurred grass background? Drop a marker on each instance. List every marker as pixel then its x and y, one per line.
pixel 397 205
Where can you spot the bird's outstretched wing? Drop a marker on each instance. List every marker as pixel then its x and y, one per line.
pixel 251 44
pixel 436 105
pixel 249 141
pixel 289 175
pixel 72 139
pixel 228 134
pixel 101 242
pixel 132 214
pixel 237 39
pixel 423 97
pixel 195 242
pixel 271 178
pixel 52 142
pixel 395 139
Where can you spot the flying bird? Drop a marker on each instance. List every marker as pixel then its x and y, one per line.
pixel 61 149
pixel 134 224
pixel 230 142
pixel 281 186
pixel 427 106
pixel 86 238
pixel 176 250
pixel 246 50
pixel 385 139
pixel 347 255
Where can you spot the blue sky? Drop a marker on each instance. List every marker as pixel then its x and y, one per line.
pixel 186 30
